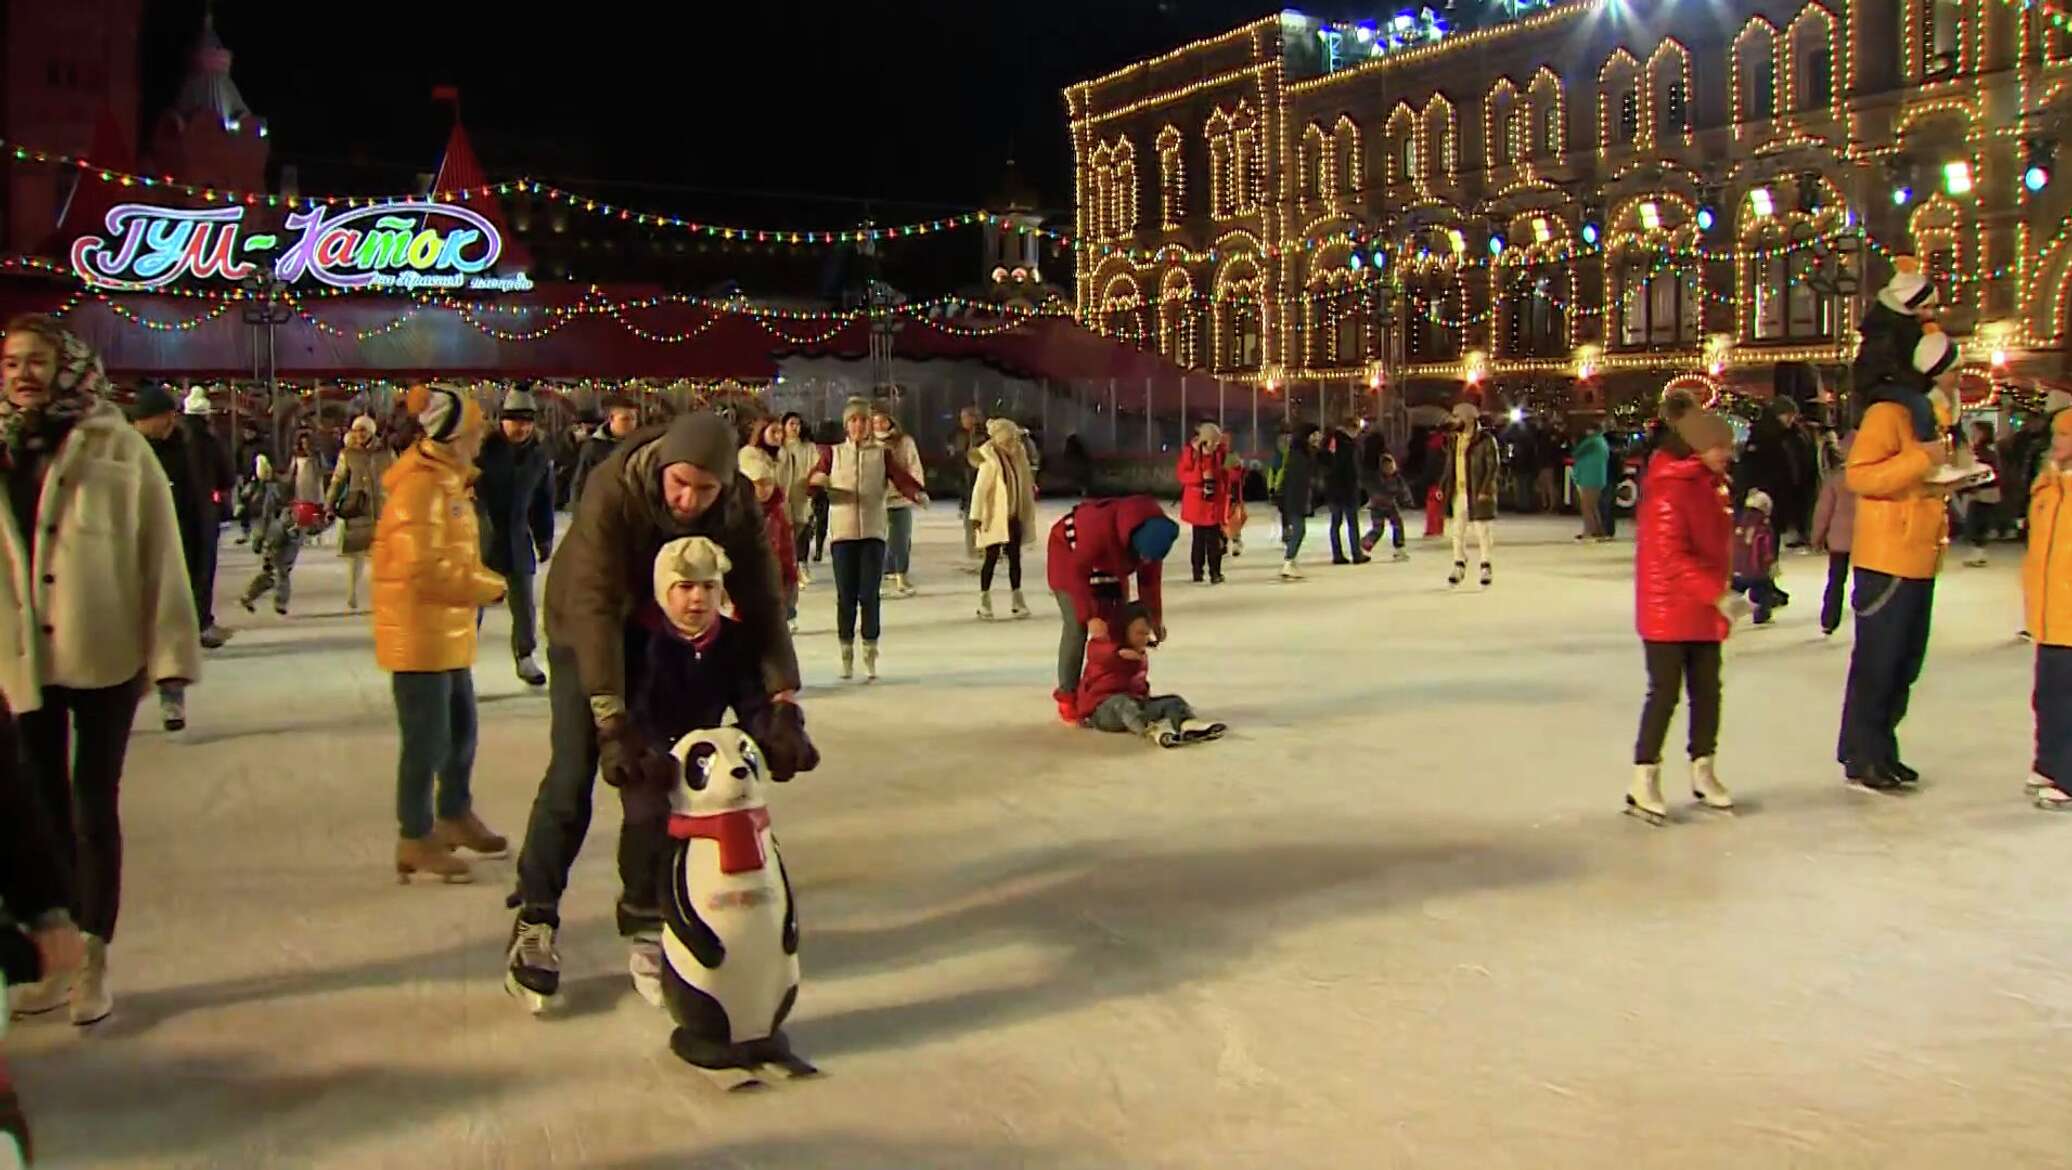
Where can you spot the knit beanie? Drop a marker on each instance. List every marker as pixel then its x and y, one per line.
pixel 1759 500
pixel 1466 414
pixel 1154 538
pixel 1702 430
pixel 152 402
pixel 198 402
pixel 701 439
pixel 691 558
pixel 365 424
pixel 855 408
pixel 1908 292
pixel 1935 353
pixel 520 405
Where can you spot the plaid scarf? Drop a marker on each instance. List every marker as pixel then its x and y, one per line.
pixel 77 388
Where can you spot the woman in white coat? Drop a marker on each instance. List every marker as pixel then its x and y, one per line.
pixel 94 606
pixel 1003 511
pixel 899 511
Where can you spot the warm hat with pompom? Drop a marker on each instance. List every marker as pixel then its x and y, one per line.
pixel 1908 292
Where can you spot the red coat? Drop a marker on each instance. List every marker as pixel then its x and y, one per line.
pixel 1204 486
pixel 1108 674
pixel 1683 552
pixel 777 526
pixel 1090 558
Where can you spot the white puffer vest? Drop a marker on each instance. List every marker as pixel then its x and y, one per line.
pixel 856 490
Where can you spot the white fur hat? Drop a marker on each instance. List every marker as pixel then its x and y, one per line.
pixel 1466 413
pixel 1908 292
pixel 690 558
pixel 1935 353
pixel 198 401
pixel 1759 500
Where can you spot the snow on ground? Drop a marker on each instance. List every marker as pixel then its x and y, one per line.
pixel 1394 920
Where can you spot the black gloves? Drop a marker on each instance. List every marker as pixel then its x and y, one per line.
pixel 780 729
pixel 628 760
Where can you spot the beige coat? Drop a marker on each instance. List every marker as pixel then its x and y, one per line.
pixel 1003 493
pixel 795 464
pixel 99 595
pixel 360 469
pixel 901 450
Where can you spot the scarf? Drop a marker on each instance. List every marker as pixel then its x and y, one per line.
pixel 76 389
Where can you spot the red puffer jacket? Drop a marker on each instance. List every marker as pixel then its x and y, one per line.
pixel 1684 553
pixel 1204 486
pixel 1109 674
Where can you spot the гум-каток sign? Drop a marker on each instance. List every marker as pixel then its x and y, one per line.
pixel 400 245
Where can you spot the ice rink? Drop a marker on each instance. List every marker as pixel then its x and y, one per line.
pixel 1395 920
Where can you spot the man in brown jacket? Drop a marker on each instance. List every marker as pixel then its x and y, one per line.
pixel 663 483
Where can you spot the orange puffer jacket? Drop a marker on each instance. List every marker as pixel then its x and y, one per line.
pixel 1900 524
pixel 2047 569
pixel 428 574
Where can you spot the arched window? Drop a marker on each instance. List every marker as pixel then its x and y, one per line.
pixel 1172 182
pixel 1402 143
pixel 1498 128
pixel 1629 116
pixel 1441 139
pixel 1431 295
pixel 1666 115
pixel 1657 301
pixel 1311 165
pixel 1812 59
pixel 1785 306
pixel 1345 147
pixel 1549 113
pixel 1125 194
pixel 1940 25
pixel 1755 72
pixel 1535 322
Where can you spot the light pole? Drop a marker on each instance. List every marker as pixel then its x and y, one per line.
pixel 265 305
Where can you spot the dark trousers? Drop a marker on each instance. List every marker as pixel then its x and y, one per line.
pixel 1348 515
pixel 560 816
pixel 203 572
pixel 1608 508
pixel 1071 643
pixel 1384 516
pixel 819 526
pixel 1837 584
pixel 2053 704
pixel 1980 519
pixel 1675 667
pixel 525 622
pixel 1013 551
pixel 1207 551
pixel 859 573
pixel 435 714
pixel 803 533
pixel 1892 619
pixel 73 747
pixel 1294 526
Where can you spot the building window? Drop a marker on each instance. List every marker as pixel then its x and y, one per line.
pixel 1533 323
pixel 1676 112
pixel 1346 342
pixel 1787 308
pixel 1942 37
pixel 1658 306
pixel 1244 337
pixel 1816 79
pixel 1172 192
pixel 1427 334
pixel 1629 117
pixel 1762 90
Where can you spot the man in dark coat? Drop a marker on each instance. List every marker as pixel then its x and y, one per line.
pixel 621 418
pixel 663 483
pixel 1771 460
pixel 219 484
pixel 1342 491
pixel 516 496
pixel 155 418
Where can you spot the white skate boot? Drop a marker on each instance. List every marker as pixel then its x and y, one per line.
pixel 1019 607
pixel 1706 787
pixel 1290 573
pixel 1644 798
pixel 644 963
pixel 1163 735
pixel 35 999
pixel 529 672
pixel 1201 730
pixel 92 1002
pixel 985 607
pixel 848 660
pixel 870 662
pixel 533 971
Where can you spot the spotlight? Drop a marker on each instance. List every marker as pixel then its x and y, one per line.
pixel 1761 203
pixel 1901 194
pixel 1496 245
pixel 2035 178
pixel 1957 177
pixel 1590 233
pixel 1705 219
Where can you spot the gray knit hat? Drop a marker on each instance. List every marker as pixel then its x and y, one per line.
pixel 519 404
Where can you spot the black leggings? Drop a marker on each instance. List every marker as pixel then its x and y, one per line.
pixel 1672 667
pixel 74 746
pixel 1208 550
pixel 1013 548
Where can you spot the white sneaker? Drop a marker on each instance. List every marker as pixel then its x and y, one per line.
pixel 91 1000
pixel 848 660
pixel 1163 735
pixel 644 963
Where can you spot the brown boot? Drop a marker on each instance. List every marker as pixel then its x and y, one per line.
pixel 467 831
pixel 427 856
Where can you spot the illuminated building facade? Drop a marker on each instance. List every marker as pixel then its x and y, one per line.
pixel 1587 193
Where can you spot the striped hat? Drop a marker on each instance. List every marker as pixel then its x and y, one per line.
pixel 1908 292
pixel 1935 353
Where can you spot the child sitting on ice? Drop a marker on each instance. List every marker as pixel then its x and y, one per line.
pixel 1115 690
pixel 1755 558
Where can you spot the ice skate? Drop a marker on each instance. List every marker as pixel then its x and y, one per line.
pixel 2052 799
pixel 1488 574
pixel 1644 798
pixel 1902 773
pixel 1201 730
pixel 280 609
pixel 1290 573
pixel 92 1002
pixel 40 998
pixel 792 627
pixel 805 575
pixel 985 607
pixel 2037 780
pixel 1871 778
pixel 848 660
pixel 1018 608
pixel 1977 560
pixel 644 963
pixel 1163 735
pixel 215 637
pixel 870 662
pixel 1400 556
pixel 533 965
pixel 529 672
pixel 1706 786
pixel 172 711
pixel 427 856
pixel 1459 574
pixel 902 587
pixel 467 831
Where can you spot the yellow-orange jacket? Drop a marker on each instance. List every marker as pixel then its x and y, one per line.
pixel 428 574
pixel 1899 523
pixel 2047 568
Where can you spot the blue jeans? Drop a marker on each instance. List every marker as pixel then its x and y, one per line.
pixel 899 539
pixel 1131 714
pixel 859 574
pixel 1349 516
pixel 435 711
pixel 1293 527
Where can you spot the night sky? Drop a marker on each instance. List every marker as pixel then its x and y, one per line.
pixel 785 113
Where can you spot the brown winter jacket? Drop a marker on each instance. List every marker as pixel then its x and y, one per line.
pixel 603 573
pixel 1485 467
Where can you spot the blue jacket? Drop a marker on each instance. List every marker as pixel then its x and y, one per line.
pixel 1593 462
pixel 516 497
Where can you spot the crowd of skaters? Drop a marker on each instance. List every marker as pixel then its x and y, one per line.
pixel 673 591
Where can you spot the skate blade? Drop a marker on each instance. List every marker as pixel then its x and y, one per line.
pixel 735 1080
pixel 1700 802
pixel 795 1068
pixel 537 1004
pixel 1653 818
pixel 1859 786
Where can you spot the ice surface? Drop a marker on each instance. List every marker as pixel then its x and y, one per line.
pixel 1394 920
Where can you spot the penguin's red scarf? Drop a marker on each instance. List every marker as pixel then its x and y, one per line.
pixel 739 834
